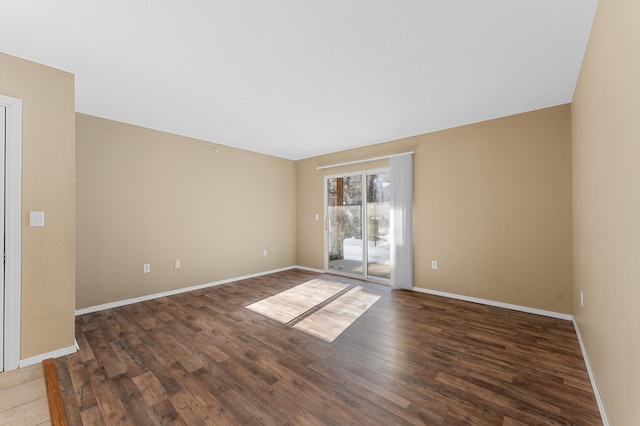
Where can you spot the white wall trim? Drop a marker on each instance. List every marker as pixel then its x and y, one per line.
pixel 536 311
pixel 125 302
pixel 13 231
pixel 568 317
pixel 304 268
pixel 603 414
pixel 53 354
pixel 519 308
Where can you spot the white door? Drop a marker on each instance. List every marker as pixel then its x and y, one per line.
pixel 3 133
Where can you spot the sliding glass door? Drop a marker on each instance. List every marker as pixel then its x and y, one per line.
pixel 344 213
pixel 357 225
pixel 378 225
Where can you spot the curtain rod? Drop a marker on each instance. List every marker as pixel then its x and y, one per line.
pixel 384 157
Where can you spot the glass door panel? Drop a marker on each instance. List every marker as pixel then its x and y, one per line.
pixel 378 229
pixel 344 213
pixel 358 212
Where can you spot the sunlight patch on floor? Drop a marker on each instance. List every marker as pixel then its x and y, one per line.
pixel 330 321
pixel 320 308
pixel 288 305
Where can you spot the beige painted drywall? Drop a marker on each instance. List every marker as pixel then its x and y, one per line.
pixel 492 203
pixel 48 184
pixel 606 188
pixel 145 196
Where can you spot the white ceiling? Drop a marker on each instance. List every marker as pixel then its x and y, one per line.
pixel 299 78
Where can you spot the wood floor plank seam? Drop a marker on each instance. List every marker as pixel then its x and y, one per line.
pixel 202 358
pixel 23 397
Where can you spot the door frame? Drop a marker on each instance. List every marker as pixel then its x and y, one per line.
pixel 365 225
pixel 13 230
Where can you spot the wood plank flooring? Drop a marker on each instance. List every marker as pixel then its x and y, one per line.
pixel 203 358
pixel 23 397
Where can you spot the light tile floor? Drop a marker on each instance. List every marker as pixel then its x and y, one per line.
pixel 23 397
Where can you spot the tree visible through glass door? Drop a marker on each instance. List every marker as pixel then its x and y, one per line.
pixel 349 229
pixel 344 205
pixel 378 226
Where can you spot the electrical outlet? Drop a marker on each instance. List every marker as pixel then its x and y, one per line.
pixel 146 268
pixel 176 264
pixel 265 252
pixel 434 264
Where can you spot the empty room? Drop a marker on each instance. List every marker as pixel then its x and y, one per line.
pixel 306 213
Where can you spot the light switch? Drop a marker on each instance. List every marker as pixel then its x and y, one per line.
pixel 36 219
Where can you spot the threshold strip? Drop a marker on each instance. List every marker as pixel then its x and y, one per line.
pixel 56 411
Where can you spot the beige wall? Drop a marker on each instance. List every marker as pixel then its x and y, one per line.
pixel 492 203
pixel 146 196
pixel 48 183
pixel 606 176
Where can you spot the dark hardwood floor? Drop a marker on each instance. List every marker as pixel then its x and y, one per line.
pixel 202 358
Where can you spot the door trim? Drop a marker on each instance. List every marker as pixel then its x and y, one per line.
pixel 13 230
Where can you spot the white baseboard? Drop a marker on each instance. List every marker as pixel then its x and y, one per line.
pixel 603 414
pixel 537 312
pixel 125 302
pixel 53 354
pixel 72 349
pixel 304 268
pixel 568 317
pixel 520 308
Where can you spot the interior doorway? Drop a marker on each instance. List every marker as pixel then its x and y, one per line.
pixel 358 231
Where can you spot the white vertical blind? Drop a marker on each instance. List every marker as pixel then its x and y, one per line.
pixel 401 171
